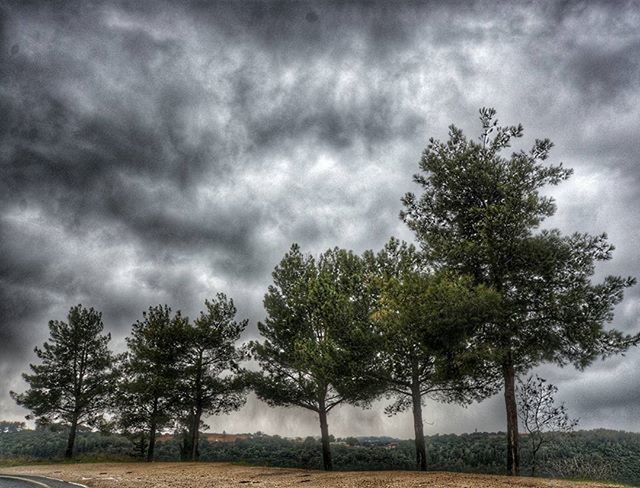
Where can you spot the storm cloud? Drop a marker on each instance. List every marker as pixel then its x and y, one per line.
pixel 162 152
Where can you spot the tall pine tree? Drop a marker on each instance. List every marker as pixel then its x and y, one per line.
pixel 210 381
pixel 317 348
pixel 148 393
pixel 74 381
pixel 426 321
pixel 479 214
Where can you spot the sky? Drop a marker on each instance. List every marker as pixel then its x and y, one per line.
pixel 158 152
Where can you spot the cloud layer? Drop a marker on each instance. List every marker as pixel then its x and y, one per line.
pixel 161 152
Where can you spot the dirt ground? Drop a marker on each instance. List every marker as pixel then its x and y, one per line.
pixel 208 475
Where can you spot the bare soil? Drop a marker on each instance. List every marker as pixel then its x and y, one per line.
pixel 208 475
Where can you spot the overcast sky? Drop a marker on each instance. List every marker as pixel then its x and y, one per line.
pixel 162 152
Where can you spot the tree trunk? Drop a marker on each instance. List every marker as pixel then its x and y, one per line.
pixel 418 425
pixel 421 447
pixel 152 441
pixel 534 455
pixel 513 457
pixel 152 432
pixel 195 435
pixel 197 408
pixel 324 429
pixel 71 440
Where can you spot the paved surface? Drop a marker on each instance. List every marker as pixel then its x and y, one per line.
pixel 27 481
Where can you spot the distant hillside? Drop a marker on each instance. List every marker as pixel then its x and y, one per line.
pixel 596 454
pixel 209 437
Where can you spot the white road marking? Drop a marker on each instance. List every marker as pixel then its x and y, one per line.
pixel 62 481
pixel 37 483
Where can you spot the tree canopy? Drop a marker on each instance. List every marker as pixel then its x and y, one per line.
pixel 479 214
pixel 317 346
pixel 148 392
pixel 210 383
pixel 426 321
pixel 74 380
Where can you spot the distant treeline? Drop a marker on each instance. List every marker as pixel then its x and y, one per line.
pixel 595 454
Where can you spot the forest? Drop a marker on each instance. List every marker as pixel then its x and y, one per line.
pixel 482 297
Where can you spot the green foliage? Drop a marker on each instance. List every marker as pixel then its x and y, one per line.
pixel 318 345
pixel 74 381
pixel 479 453
pixel 472 453
pixel 47 444
pixel 596 454
pixel 148 389
pixel 315 345
pixel 175 371
pixel 479 215
pixel 426 321
pixel 209 383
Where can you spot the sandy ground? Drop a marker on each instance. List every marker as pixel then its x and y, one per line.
pixel 208 475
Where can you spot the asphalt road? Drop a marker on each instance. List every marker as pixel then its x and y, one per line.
pixel 24 481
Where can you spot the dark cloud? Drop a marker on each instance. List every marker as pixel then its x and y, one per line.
pixel 604 74
pixel 160 152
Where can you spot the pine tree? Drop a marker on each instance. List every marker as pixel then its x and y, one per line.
pixel 317 349
pixel 74 381
pixel 148 392
pixel 479 215
pixel 210 383
pixel 426 321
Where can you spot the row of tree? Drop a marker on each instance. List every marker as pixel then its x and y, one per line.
pixel 174 371
pixel 484 298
